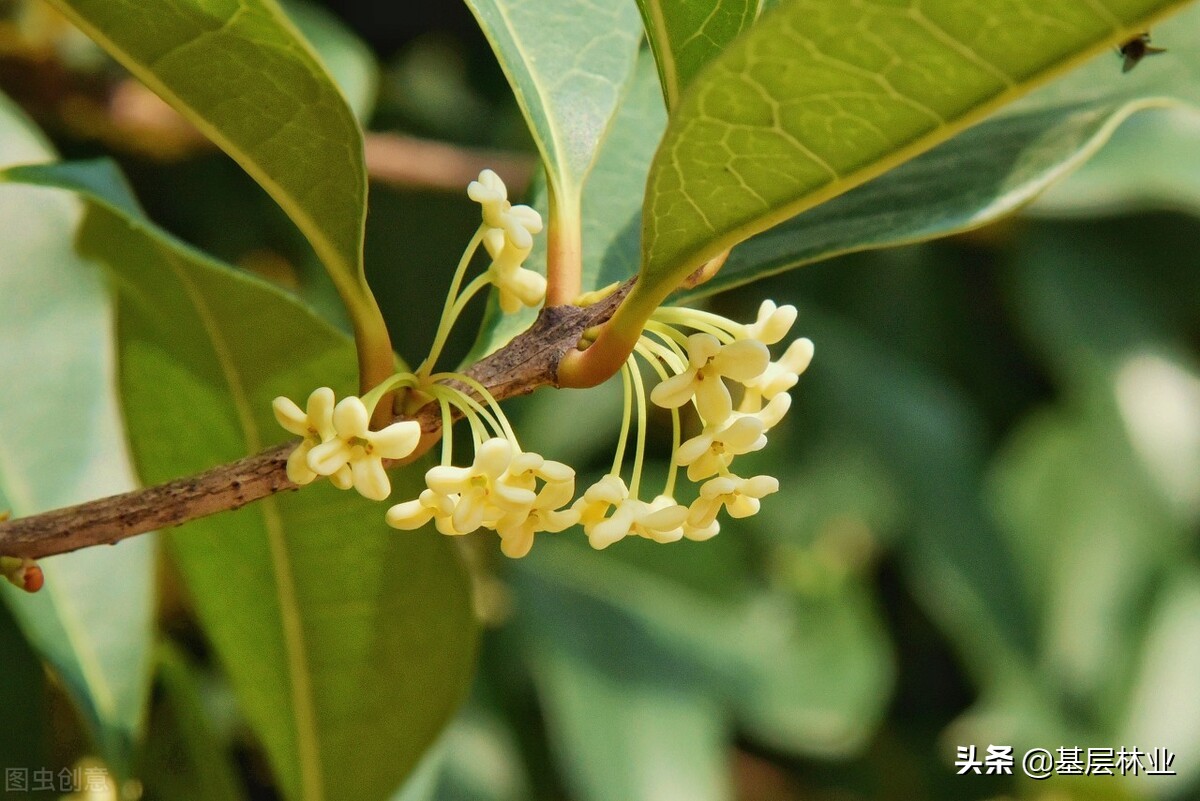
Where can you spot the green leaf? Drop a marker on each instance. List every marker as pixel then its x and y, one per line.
pixel 1091 539
pixel 239 71
pixel 568 62
pixel 994 168
pixel 685 36
pixel 611 205
pixel 1152 162
pixel 632 720
pixel 814 101
pixel 348 59
pixel 184 759
pixel 347 643
pixel 1164 706
pixel 805 674
pixel 24 741
pixel 61 443
pixel 930 440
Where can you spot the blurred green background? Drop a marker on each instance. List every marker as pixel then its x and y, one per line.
pixel 987 532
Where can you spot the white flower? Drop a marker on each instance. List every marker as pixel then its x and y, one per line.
pixel 708 362
pixel 708 453
pixel 739 496
pixel 779 376
pixel 490 192
pixel 661 520
pixel 702 533
pixel 773 323
pixel 428 506
pixel 484 493
pixel 518 223
pixel 517 527
pixel 315 425
pixel 597 499
pixel 517 286
pixel 773 412
pixel 362 449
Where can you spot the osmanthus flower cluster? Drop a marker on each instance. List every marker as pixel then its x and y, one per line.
pixel 720 367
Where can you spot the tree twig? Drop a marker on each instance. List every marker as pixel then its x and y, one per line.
pixel 528 362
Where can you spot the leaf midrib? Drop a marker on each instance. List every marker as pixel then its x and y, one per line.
pixel 341 271
pixel 688 260
pixel 304 713
pixel 561 176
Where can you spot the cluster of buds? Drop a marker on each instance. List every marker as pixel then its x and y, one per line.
pixel 698 356
pixel 508 239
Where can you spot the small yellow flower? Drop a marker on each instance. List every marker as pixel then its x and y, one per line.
pixel 362 449
pixel 484 493
pixel 661 520
pixel 710 452
pixel 596 501
pixel 779 376
pixel 739 496
pixel 708 362
pixel 773 323
pixel 518 527
pixel 517 286
pixel 315 425
pixel 517 223
pixel 490 192
pixel 411 515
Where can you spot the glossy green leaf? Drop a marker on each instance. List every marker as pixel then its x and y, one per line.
pixel 238 71
pixel 348 644
pixel 815 100
pixel 184 759
pixel 1152 162
pixel 61 443
pixel 477 758
pixel 568 62
pixel 611 205
pixel 685 36
pixel 994 168
pixel 348 59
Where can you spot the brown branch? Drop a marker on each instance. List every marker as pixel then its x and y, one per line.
pixel 528 362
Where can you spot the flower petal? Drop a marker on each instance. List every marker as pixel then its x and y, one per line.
pixel 675 391
pixel 409 515
pixel 298 471
pixel 288 415
pixel 350 418
pixel 326 458
pixel 397 440
pixel 370 479
pixel 742 360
